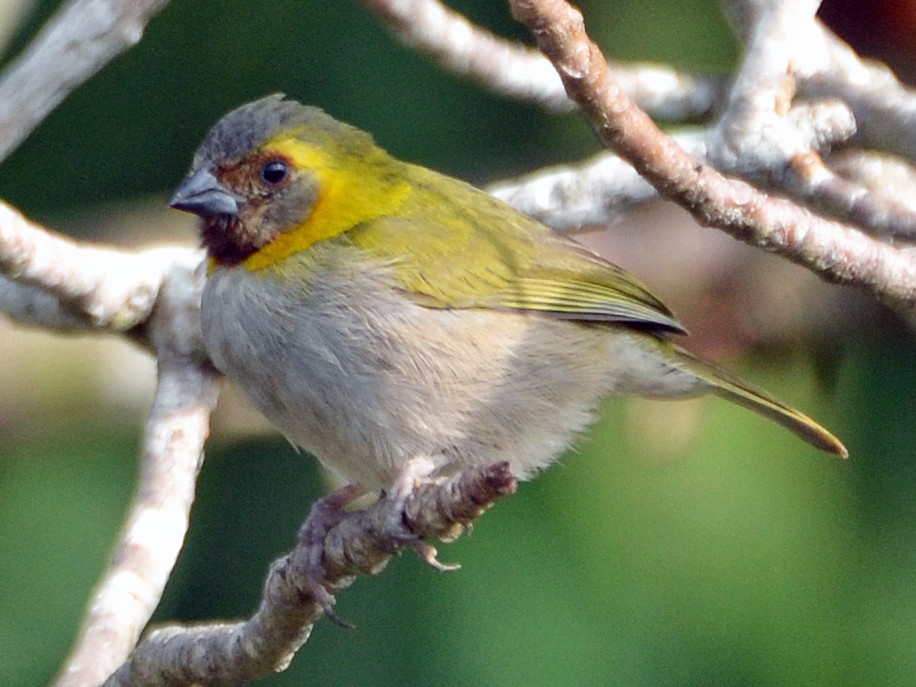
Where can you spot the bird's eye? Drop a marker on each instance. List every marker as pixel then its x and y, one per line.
pixel 275 172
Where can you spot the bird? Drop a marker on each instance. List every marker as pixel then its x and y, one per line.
pixel 402 325
pixel 382 315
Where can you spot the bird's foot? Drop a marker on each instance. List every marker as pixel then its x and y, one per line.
pixel 410 475
pixel 326 513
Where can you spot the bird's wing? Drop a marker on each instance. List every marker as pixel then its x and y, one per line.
pixel 464 249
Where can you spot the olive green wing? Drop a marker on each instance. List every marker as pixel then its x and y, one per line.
pixel 454 246
pixel 569 281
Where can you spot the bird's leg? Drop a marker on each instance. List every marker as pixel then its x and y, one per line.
pixel 326 513
pixel 410 475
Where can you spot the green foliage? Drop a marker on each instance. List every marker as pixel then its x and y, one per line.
pixel 62 499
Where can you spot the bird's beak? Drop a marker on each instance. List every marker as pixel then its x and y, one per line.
pixel 202 194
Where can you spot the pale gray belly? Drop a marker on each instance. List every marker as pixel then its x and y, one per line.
pixel 364 379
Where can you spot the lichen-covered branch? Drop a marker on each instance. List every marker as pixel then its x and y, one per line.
pixel 765 134
pixel 143 559
pixel 592 193
pixel 878 210
pixel 361 544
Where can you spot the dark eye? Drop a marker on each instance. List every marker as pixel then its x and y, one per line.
pixel 275 172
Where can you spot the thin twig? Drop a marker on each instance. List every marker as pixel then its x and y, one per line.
pixel 873 209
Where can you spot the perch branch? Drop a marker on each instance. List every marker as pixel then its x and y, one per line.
pixel 362 543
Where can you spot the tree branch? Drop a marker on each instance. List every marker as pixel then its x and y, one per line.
pixel 874 209
pixel 80 39
pixel 885 109
pixel 153 295
pixel 836 252
pixel 100 287
pixel 762 134
pixel 514 71
pixel 362 544
pixel 158 519
pixel 593 193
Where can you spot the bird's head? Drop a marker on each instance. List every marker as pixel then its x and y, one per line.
pixel 275 168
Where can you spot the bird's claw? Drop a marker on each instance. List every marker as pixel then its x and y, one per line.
pixel 326 513
pixel 429 555
pixel 329 511
pixel 409 476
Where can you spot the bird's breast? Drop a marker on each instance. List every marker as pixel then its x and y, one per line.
pixel 340 360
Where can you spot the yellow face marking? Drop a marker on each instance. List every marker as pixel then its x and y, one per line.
pixel 350 192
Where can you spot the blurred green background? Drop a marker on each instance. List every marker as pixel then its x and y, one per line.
pixel 681 544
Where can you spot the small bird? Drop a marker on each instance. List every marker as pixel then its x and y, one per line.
pixel 382 315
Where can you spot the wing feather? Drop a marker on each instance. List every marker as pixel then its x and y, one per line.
pixel 454 246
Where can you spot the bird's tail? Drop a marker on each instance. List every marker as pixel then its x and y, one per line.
pixel 738 391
